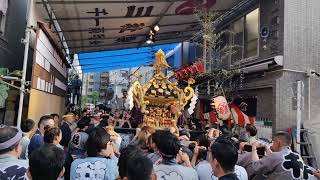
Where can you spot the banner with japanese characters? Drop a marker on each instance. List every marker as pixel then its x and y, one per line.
pixel 95 26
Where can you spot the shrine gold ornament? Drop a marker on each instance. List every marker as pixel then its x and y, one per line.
pixel 161 100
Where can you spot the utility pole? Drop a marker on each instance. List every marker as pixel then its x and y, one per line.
pixel 299 108
pixel 25 61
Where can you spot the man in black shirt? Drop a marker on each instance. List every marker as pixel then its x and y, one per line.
pixel 224 159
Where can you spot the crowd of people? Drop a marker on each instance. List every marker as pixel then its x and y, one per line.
pixel 82 146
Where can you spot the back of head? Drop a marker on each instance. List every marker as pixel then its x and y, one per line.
pixel 85 110
pixel 284 137
pixel 46 163
pixel 83 122
pixel 127 153
pixel 156 137
pixel 225 153
pixel 27 125
pixel 103 123
pixel 97 141
pixel 252 130
pixel 75 113
pixel 53 115
pixel 9 138
pixel 69 117
pixel 143 136
pixel 140 167
pixel 44 119
pixel 204 141
pixel 225 129
pixel 185 132
pixel 148 129
pixel 51 134
pixel 168 145
pixel 230 139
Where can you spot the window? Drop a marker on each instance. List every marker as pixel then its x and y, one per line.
pixel 251 34
pixel 274 34
pixel 124 74
pixel 237 39
pixel 275 20
pixel 245 36
pixel 3 13
pixel 2 23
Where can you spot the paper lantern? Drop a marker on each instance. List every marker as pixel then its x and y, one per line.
pixel 221 107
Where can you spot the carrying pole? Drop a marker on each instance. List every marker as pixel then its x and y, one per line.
pixel 25 61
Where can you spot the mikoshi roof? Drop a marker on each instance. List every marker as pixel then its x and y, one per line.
pixel 99 25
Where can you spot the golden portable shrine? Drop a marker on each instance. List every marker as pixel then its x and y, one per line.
pixel 161 100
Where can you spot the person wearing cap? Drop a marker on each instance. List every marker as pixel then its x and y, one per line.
pixel 45 122
pixel 67 129
pixel 169 147
pixel 10 150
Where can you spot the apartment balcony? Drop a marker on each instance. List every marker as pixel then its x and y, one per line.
pixel 104 75
pixel 90 80
pixel 104 81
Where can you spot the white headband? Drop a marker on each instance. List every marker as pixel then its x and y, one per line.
pixel 11 141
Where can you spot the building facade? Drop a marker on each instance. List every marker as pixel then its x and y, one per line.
pixel 104 84
pixel 119 81
pixel 12 30
pixel 276 44
pixel 91 83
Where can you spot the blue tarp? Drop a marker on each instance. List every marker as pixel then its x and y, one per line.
pixel 120 59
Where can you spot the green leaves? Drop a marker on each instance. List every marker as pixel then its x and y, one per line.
pixel 3 94
pixel 4 71
pixel 3 87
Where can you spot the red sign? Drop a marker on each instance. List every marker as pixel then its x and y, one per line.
pixel 190 71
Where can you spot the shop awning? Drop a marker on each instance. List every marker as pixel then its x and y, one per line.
pixel 99 25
